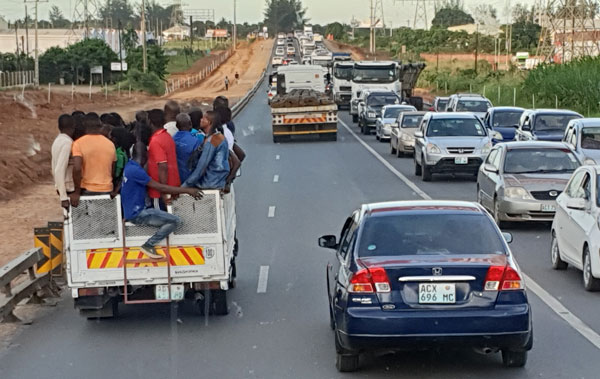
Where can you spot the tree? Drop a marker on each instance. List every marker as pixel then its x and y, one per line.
pixel 522 14
pixel 485 13
pixel 157 60
pixel 451 14
pixel 57 18
pixel 114 10
pixel 336 29
pixel 284 15
pixel 89 53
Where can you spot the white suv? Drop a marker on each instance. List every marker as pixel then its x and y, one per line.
pixel 469 102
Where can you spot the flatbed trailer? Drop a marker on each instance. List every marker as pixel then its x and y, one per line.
pixel 318 120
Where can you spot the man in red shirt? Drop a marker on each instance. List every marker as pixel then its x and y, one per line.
pixel 162 158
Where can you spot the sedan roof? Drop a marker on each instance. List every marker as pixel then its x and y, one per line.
pixel 535 145
pixel 453 115
pixel 421 206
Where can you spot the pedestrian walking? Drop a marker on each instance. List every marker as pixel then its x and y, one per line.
pixel 226 83
pixel 237 78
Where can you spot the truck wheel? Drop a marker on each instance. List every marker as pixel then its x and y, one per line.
pixel 276 139
pixel 426 173
pixel 219 299
pixel 354 118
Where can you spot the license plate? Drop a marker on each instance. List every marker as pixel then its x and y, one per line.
pixel 437 293
pixel 548 208
pixel 162 292
pixel 461 160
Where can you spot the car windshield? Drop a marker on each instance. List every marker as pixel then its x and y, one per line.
pixel 506 118
pixel 472 106
pixel 430 233
pixel 381 100
pixel 411 121
pixel 395 112
pixel 553 122
pixel 379 74
pixel 460 127
pixel 590 138
pixel 343 73
pixel 441 104
pixel 539 160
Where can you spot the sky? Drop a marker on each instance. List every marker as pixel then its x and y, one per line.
pixel 397 12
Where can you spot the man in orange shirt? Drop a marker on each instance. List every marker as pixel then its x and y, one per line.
pixel 94 157
pixel 162 158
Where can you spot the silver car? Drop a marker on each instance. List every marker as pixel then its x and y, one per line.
pixel 583 136
pixel 388 119
pixel 402 139
pixel 520 181
pixel 450 143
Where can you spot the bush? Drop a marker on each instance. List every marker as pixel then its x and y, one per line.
pixel 148 82
pixel 157 60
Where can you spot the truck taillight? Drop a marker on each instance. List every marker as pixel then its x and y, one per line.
pixel 90 291
pixel 370 280
pixel 502 278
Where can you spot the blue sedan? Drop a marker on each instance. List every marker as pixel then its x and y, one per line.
pixel 504 120
pixel 424 274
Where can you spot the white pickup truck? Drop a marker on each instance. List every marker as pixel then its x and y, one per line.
pixel 199 263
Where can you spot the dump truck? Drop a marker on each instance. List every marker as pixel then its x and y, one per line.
pixel 105 265
pixel 301 106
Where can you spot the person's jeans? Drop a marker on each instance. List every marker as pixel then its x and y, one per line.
pixel 165 222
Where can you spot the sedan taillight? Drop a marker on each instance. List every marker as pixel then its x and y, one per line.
pixel 371 280
pixel 502 278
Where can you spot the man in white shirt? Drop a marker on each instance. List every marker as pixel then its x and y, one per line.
pixel 62 171
pixel 171 111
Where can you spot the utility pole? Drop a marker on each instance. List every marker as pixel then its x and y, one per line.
pixel 371 30
pixel 143 27
pixel 192 33
pixel 36 52
pixel 476 47
pixel 234 24
pixel 26 32
pixel 120 48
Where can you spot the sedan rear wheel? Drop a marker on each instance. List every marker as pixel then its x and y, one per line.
pixel 557 262
pixel 496 214
pixel 512 358
pixel 345 360
pixel 589 282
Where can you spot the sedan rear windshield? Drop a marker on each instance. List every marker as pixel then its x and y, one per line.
pixel 472 106
pixel 461 127
pixel 441 105
pixel 530 161
pixel 506 118
pixel 553 122
pixel 590 138
pixel 430 234
pixel 411 121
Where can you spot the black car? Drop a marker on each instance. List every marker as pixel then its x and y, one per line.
pixel 374 102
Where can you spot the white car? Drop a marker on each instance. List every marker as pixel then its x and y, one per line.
pixel 576 227
pixel 276 61
pixel 280 41
pixel 388 119
pixel 291 50
pixel 279 51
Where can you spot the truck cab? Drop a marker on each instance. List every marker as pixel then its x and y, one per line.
pixel 342 83
pixel 379 75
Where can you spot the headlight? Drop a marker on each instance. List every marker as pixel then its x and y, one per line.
pixel 517 193
pixel 372 114
pixel 486 149
pixel 589 161
pixel 432 149
pixel 407 137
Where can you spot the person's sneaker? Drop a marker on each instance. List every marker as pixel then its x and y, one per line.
pixel 151 252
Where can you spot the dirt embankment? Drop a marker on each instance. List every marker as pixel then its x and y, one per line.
pixel 28 126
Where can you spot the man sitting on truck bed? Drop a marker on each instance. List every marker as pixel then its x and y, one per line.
pixel 133 198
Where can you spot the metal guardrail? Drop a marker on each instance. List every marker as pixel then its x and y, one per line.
pixel 237 108
pixel 13 290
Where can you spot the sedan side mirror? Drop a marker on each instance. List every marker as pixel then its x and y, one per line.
pixel 490 168
pixel 419 134
pixel 328 242
pixel 507 237
pixel 577 204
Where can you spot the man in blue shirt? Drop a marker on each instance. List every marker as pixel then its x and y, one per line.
pixel 212 168
pixel 133 199
pixel 185 145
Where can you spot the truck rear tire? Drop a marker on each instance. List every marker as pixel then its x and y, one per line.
pixel 329 137
pixel 219 299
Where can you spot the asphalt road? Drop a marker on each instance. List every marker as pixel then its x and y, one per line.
pixel 284 332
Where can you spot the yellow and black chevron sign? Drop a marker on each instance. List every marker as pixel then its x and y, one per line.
pixel 56 245
pixel 50 239
pixel 41 238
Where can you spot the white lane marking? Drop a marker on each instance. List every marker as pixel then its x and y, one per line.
pixel 271 211
pixel 277 157
pixel 276 179
pixel 387 164
pixel 574 321
pixel 263 279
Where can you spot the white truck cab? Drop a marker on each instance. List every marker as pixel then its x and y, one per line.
pixel 342 82
pixel 374 75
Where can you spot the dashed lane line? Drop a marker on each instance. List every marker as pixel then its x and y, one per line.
pixel 277 157
pixel 271 213
pixel 263 279
pixel 276 179
pixel 575 322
